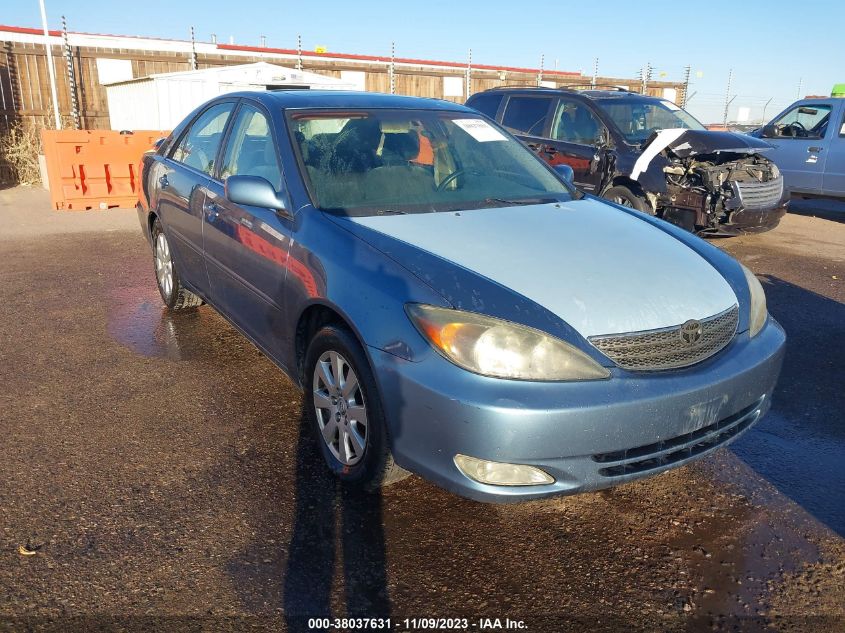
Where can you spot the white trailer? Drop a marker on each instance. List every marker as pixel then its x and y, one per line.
pixel 160 102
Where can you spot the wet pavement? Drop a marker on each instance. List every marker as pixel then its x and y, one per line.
pixel 154 476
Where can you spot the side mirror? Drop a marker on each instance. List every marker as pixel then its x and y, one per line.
pixel 159 142
pixel 769 131
pixel 253 191
pixel 565 172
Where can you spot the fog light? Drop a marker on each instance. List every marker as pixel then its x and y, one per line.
pixel 501 474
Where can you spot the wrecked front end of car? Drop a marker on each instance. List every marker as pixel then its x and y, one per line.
pixel 716 183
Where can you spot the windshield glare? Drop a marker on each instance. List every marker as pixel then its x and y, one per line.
pixel 638 119
pixel 363 162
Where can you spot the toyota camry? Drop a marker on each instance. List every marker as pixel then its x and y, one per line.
pixel 450 304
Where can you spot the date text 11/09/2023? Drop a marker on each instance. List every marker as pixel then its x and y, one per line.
pixel 416 624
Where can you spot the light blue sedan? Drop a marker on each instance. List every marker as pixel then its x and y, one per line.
pixel 449 304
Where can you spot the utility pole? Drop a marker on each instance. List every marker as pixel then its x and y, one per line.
pixel 645 77
pixel 469 74
pixel 194 64
pixel 800 84
pixel 393 68
pixel 50 70
pixel 764 110
pixel 540 74
pixel 71 76
pixel 728 97
pixel 299 52
pixel 687 70
pixel 595 73
pixel 263 41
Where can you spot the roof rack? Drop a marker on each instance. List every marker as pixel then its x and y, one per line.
pixel 572 87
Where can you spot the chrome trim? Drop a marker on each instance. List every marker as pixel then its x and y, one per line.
pixel 665 348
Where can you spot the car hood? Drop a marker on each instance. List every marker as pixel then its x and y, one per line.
pixel 685 143
pixel 597 267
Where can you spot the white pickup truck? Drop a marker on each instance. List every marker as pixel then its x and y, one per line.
pixel 809 146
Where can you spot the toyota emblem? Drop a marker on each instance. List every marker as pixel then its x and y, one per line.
pixel 690 332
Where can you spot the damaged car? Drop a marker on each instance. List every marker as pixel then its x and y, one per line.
pixel 648 154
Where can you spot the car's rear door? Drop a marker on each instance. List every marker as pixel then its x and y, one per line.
pixel 246 247
pixel 527 116
pixel 801 145
pixel 575 137
pixel 182 182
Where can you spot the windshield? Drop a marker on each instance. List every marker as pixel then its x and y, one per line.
pixel 365 162
pixel 637 119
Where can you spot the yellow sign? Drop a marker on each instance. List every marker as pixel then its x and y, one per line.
pixel 320 49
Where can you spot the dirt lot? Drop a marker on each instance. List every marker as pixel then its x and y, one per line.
pixel 152 475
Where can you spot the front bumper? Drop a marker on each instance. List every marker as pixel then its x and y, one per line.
pixel 587 435
pixel 752 221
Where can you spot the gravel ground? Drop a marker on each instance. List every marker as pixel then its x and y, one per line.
pixel 152 475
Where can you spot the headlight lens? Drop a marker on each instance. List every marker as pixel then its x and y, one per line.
pixel 758 303
pixel 501 349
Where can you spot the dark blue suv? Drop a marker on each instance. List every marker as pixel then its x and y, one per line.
pixel 646 153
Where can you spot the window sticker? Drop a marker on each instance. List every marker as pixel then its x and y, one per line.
pixel 480 130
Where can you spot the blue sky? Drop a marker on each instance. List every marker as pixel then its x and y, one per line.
pixel 771 46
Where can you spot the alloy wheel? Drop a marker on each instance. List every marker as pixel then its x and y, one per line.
pixel 164 265
pixel 340 408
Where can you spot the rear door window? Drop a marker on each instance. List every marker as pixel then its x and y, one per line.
pixel 527 114
pixel 487 104
pixel 198 147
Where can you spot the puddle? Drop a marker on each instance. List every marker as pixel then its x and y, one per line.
pixel 137 319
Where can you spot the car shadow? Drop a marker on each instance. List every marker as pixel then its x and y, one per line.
pixel 819 207
pixel 799 445
pixel 334 525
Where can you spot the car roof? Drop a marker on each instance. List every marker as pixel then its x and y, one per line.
pixel 588 94
pixel 292 99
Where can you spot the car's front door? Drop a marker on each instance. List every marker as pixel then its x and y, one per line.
pixel 833 180
pixel 183 183
pixel 246 247
pixel 577 138
pixel 800 138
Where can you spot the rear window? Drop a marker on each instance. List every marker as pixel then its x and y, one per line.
pixel 527 114
pixel 487 104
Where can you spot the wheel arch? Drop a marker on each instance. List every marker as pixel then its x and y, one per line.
pixel 314 316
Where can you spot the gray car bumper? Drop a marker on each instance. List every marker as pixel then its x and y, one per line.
pixel 587 435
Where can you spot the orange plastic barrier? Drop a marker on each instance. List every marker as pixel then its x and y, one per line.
pixel 95 169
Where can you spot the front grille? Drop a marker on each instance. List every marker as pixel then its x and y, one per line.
pixel 760 195
pixel 660 454
pixel 655 350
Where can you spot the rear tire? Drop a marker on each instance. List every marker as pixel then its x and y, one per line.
pixel 344 411
pixel 623 196
pixel 173 294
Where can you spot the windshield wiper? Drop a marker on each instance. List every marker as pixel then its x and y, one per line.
pixel 518 202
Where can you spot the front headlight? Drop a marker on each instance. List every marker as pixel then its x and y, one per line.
pixel 501 349
pixel 758 303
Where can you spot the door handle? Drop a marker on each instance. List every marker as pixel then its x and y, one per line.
pixel 211 210
pixel 163 181
pixel 814 150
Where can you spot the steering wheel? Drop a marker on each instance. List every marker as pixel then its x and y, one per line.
pixel 797 128
pixel 448 179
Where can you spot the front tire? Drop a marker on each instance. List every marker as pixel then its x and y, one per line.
pixel 345 412
pixel 625 197
pixel 174 295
